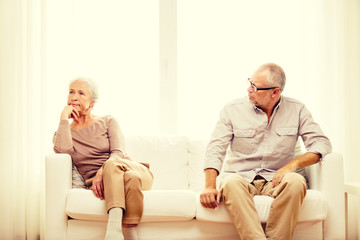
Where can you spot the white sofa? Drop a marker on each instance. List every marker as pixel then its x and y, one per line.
pixel 172 209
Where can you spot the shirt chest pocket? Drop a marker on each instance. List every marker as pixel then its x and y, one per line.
pixel 286 131
pixel 286 141
pixel 244 141
pixel 244 133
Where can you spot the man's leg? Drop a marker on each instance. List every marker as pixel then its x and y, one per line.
pixel 284 211
pixel 237 195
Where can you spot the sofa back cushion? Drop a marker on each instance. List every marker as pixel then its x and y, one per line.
pixel 196 165
pixel 167 156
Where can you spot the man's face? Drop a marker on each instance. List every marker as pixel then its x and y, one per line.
pixel 261 98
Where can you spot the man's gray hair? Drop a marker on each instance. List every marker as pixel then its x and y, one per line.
pixel 93 88
pixel 276 77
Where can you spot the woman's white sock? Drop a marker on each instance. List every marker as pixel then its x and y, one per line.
pixel 130 233
pixel 113 229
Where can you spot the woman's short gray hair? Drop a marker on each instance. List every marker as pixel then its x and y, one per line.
pixel 276 76
pixel 93 88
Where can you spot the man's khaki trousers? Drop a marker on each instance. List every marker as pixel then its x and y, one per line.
pixel 238 194
pixel 123 182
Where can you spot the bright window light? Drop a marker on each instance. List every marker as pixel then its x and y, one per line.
pixel 221 43
pixel 116 44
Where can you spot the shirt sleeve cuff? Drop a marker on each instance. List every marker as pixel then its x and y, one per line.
pixel 64 123
pixel 213 165
pixel 321 148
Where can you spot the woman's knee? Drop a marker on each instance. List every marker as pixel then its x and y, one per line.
pixel 110 163
pixel 132 177
pixel 108 167
pixel 113 165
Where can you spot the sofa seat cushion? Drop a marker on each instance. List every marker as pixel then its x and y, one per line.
pixel 314 208
pixel 159 205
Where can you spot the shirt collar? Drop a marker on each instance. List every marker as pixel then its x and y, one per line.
pixel 277 106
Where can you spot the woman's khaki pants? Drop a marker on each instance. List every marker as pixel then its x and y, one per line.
pixel 123 182
pixel 238 194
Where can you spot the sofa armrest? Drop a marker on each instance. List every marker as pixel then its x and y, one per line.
pixel 327 176
pixel 58 183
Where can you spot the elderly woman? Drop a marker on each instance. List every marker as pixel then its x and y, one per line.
pixel 96 145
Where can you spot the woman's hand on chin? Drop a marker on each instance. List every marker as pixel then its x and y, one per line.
pixel 70 112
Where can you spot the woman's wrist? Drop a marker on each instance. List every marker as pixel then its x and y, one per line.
pixel 62 118
pixel 99 173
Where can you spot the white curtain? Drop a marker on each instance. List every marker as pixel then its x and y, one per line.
pixel 349 84
pixel 22 118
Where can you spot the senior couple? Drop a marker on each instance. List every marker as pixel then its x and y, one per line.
pixel 258 133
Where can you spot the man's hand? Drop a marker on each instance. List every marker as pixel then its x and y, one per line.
pixel 280 174
pixel 98 186
pixel 304 160
pixel 210 198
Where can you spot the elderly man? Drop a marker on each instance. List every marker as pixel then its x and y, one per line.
pixel 262 130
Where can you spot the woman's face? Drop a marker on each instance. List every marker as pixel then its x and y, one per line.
pixel 79 97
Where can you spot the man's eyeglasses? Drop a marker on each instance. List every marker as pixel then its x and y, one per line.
pixel 259 89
